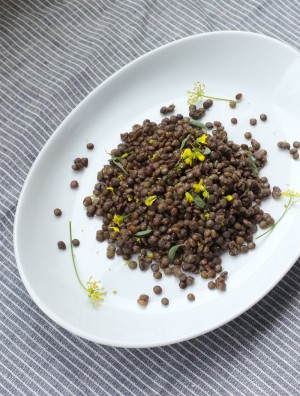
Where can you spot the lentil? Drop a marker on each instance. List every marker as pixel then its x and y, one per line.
pixel 90 146
pixel 167 109
pixel 263 117
pixel 296 144
pixel 191 297
pixel 75 242
pixel 234 120
pixel 74 184
pixel 57 212
pixel 248 135
pixel 132 264
pixel 253 121
pixel 238 96
pixel 61 245
pixel 157 289
pixel 232 104
pixel 143 300
pixel 165 301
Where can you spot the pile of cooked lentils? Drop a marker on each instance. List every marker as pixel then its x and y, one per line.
pixel 179 194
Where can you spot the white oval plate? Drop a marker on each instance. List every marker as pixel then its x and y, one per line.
pixel 267 72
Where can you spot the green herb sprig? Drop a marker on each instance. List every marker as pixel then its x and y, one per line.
pixel 172 252
pixel 197 94
pixel 293 196
pixel 94 292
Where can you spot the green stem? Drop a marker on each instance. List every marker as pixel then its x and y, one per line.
pixel 213 97
pixel 280 218
pixel 73 257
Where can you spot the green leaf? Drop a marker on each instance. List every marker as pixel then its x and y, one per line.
pixel 125 155
pixel 207 151
pixel 172 252
pixel 253 165
pixel 184 141
pixel 198 201
pixel 119 165
pixel 143 233
pixel 198 124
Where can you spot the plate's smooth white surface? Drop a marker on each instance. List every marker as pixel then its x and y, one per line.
pixel 267 72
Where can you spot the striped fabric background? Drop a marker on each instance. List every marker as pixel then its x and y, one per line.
pixel 52 54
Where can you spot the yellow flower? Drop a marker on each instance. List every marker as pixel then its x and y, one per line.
pixel 111 189
pixel 196 94
pixel 187 155
pixel 149 201
pixel 290 193
pixel 205 194
pixel 138 239
pixel 198 186
pixel 153 156
pixel 118 219
pixel 199 156
pixel 189 197
pixel 116 229
pixel 229 197
pixel 120 177
pixel 202 139
pixel 95 293
pixel 150 255
pixel 129 199
pixel 136 199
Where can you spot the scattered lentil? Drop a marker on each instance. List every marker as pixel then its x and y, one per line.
pixel 263 117
pixel 75 242
pixel 191 297
pixel 74 184
pixel 157 289
pixel 143 300
pixel 296 144
pixel 253 121
pixel 296 156
pixel 165 301
pixel 90 146
pixel 61 245
pixel 234 120
pixel 232 104
pixel 238 96
pixel 132 264
pixel 248 135
pixel 57 212
pixel 167 109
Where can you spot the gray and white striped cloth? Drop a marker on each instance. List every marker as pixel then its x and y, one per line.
pixel 52 54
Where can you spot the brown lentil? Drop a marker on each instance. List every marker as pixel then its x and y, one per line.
pixel 143 300
pixel 167 109
pixel 132 264
pixel 253 121
pixel 90 146
pixel 57 212
pixel 263 117
pixel 211 285
pixel 238 96
pixel 296 144
pixel 165 301
pixel 296 155
pixel 234 120
pixel 157 289
pixel 191 297
pixel 248 135
pixel 232 104
pixel 74 184
pixel 75 242
pixel 61 245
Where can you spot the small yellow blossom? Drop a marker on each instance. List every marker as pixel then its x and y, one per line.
pixel 120 177
pixel 153 156
pixel 188 156
pixel 150 255
pixel 229 198
pixel 95 293
pixel 116 229
pixel 189 197
pixel 151 141
pixel 199 156
pixel 136 199
pixel 129 199
pixel 290 193
pixel 198 186
pixel 138 240
pixel 205 194
pixel 111 189
pixel 149 201
pixel 196 94
pixel 118 219
pixel 202 139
